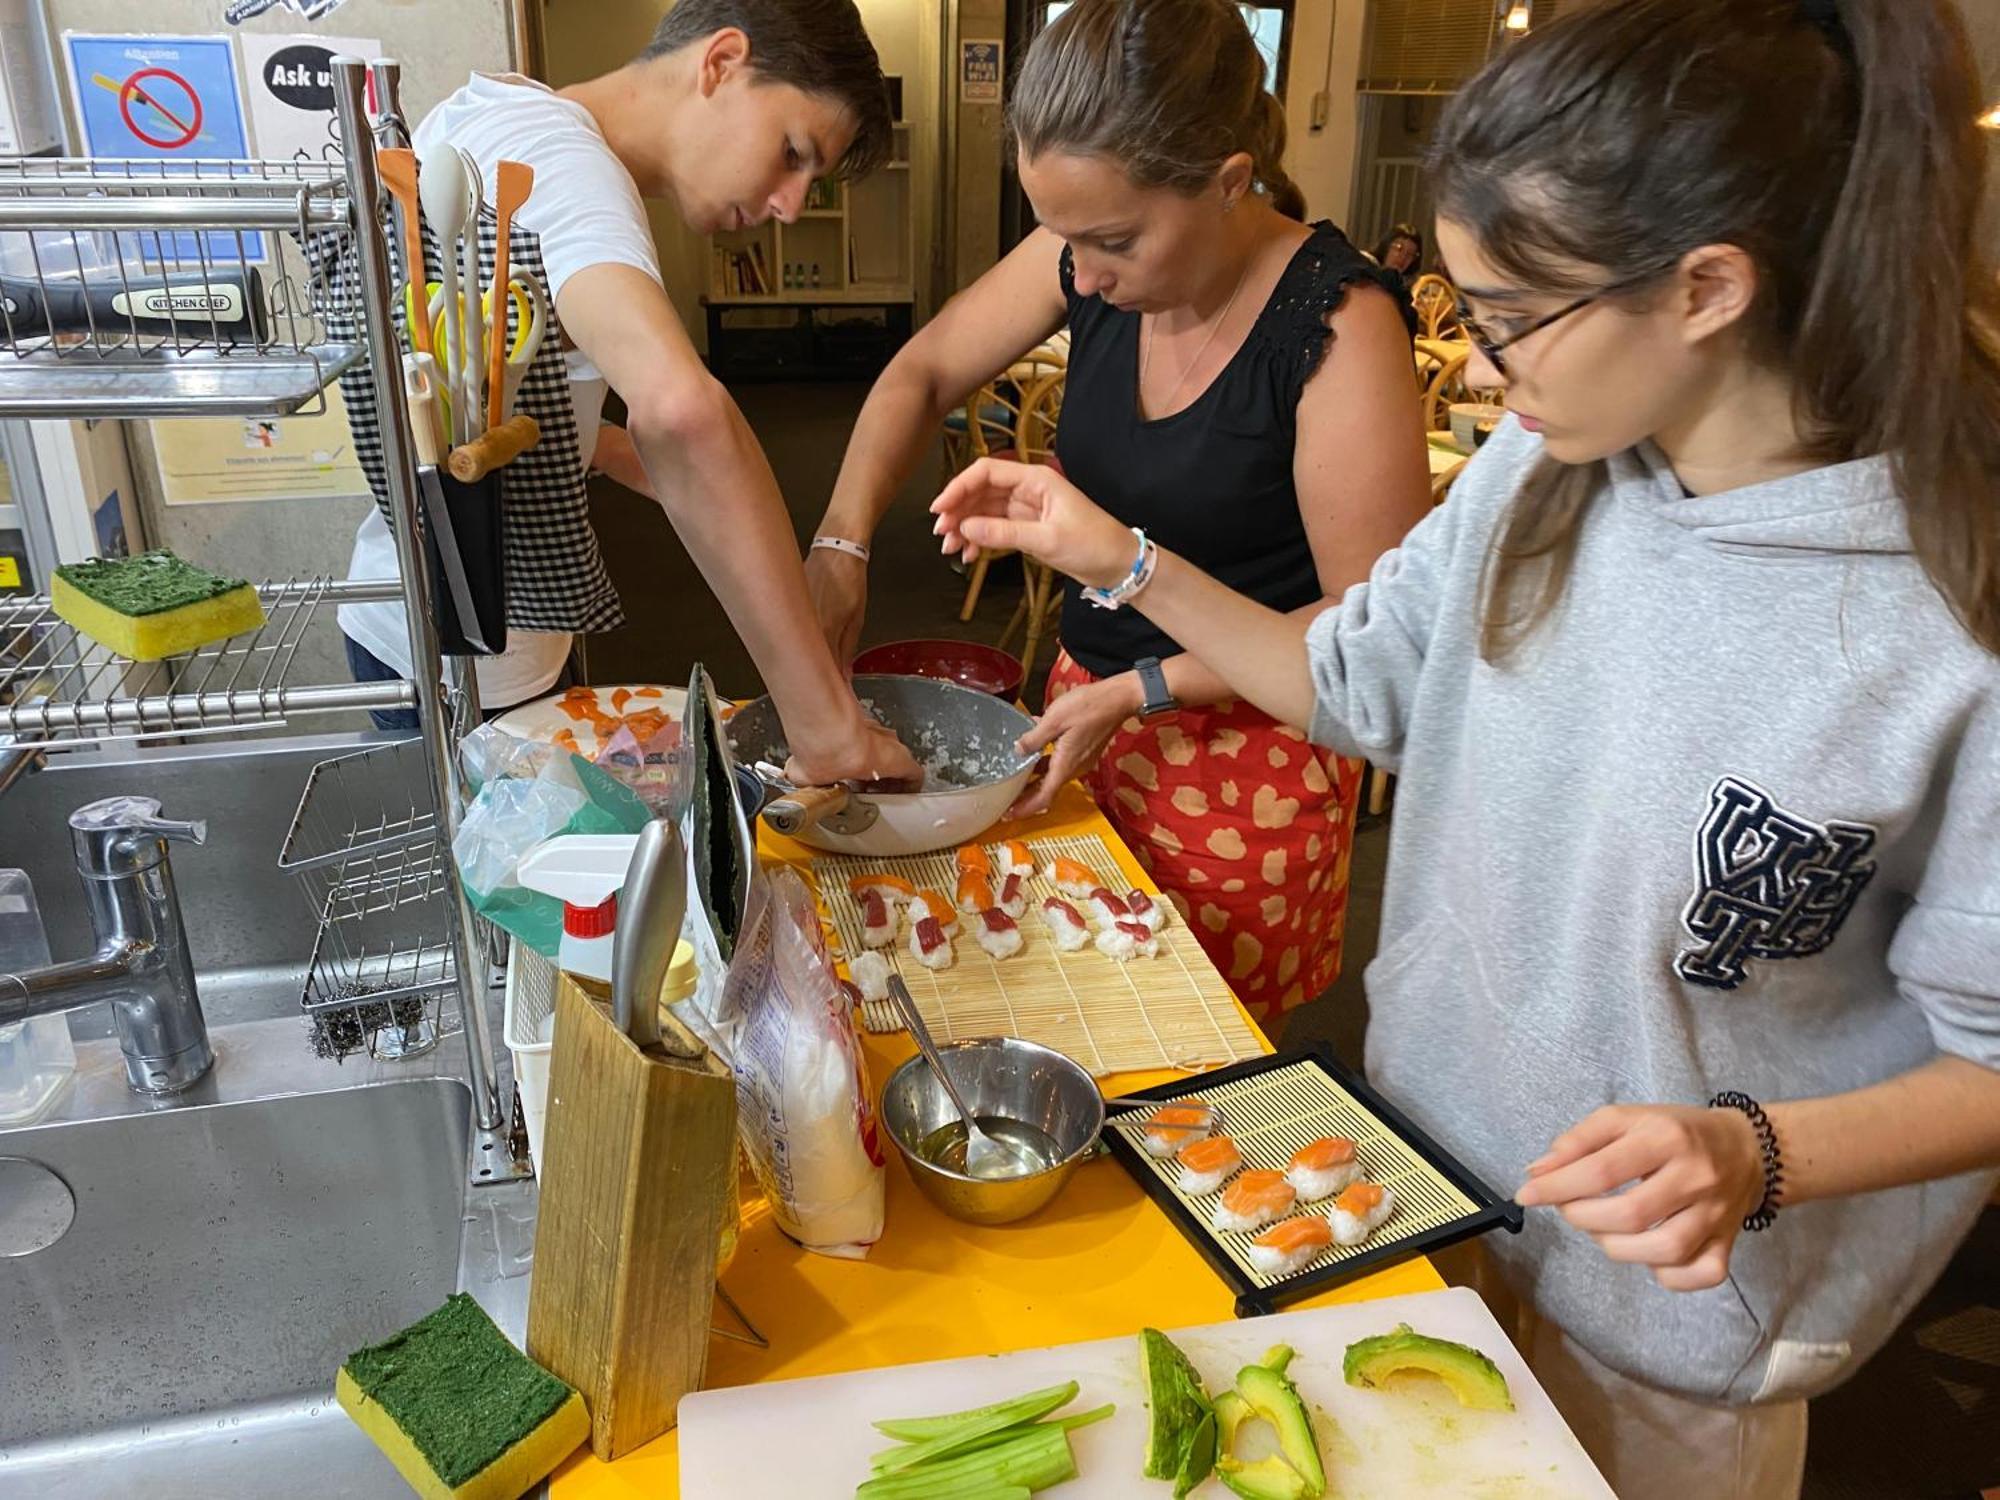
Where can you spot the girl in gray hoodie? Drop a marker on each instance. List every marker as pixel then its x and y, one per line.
pixel 1692 926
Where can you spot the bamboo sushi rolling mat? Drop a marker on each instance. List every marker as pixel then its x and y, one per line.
pixel 1270 1115
pixel 1171 1011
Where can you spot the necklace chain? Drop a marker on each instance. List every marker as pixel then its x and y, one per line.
pixel 1146 353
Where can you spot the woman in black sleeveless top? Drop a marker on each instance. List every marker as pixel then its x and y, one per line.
pixel 1239 386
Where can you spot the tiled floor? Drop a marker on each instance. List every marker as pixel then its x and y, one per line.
pixel 1922 1420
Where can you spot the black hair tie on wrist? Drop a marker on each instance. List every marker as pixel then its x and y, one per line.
pixel 1760 1217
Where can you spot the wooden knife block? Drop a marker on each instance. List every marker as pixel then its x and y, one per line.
pixel 639 1176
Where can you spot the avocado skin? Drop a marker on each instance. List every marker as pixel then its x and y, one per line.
pixel 1473 1378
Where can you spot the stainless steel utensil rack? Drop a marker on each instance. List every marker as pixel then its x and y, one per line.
pixel 149 288
pixel 395 929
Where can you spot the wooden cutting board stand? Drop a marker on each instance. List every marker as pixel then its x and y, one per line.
pixel 640 1172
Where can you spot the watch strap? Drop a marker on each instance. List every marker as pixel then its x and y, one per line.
pixel 1156 697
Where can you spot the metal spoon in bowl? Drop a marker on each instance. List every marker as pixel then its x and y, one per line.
pixel 985 1155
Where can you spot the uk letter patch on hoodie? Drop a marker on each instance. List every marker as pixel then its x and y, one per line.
pixel 1768 884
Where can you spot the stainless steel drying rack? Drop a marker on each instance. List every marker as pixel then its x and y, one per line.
pixel 395 927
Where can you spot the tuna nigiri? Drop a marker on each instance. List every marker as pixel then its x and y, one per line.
pixel 878 921
pixel 998 933
pixel 1253 1200
pixel 933 904
pixel 928 944
pixel 1207 1164
pixel 975 892
pixel 893 888
pixel 1014 895
pixel 1322 1168
pixel 1071 878
pixel 971 857
pixel 1289 1246
pixel 1359 1211
pixel 1065 924
pixel 1105 909
pixel 1146 909
pixel 1172 1126
pixel 1016 858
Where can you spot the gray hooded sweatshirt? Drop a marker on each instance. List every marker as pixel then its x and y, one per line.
pixel 1730 819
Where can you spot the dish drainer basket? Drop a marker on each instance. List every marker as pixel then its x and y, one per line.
pixel 168 288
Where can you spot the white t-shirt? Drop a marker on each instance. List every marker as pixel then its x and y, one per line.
pixel 586 210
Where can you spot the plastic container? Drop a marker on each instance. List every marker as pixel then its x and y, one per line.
pixel 529 1024
pixel 37 1058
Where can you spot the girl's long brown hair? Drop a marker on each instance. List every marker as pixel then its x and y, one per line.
pixel 1168 89
pixel 1834 141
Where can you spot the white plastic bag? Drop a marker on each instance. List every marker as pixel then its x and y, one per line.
pixel 803 1105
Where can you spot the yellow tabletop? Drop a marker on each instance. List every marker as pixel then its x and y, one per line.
pixel 1098 1262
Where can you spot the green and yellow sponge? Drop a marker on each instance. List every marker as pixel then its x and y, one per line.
pixel 461 1413
pixel 153 605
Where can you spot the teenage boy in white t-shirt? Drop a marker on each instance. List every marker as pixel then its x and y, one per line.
pixel 731 112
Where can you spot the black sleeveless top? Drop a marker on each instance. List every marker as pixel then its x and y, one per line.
pixel 1212 482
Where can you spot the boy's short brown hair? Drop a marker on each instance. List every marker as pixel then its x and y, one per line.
pixel 819 46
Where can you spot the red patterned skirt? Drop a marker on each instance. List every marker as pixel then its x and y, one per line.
pixel 1247 827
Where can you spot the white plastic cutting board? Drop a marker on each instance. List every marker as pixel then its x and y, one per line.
pixel 792 1439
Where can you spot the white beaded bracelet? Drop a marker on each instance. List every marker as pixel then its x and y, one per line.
pixel 841 544
pixel 1120 593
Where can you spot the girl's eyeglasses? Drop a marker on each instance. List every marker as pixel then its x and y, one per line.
pixel 1484 341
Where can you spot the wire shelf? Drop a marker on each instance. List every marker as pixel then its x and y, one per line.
pixel 382 959
pixel 369 804
pixel 168 288
pixel 60 690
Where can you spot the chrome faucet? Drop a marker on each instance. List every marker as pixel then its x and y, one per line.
pixel 141 966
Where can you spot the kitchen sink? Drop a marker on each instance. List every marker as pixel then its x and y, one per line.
pixel 181 1278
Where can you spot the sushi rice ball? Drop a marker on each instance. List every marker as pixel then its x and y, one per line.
pixel 1175 1125
pixel 998 933
pixel 1144 944
pixel 973 860
pixel 1074 880
pixel 1106 910
pixel 1066 926
pixel 1016 858
pixel 928 944
pixel 1253 1200
pixel 878 921
pixel 1359 1211
pixel 932 904
pixel 870 973
pixel 1207 1164
pixel 1145 909
pixel 1322 1168
pixel 1289 1246
pixel 1116 943
pixel 1013 898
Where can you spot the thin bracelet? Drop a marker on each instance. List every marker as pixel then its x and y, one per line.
pixel 841 544
pixel 1760 1217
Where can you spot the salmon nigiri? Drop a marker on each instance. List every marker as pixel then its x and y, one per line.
pixel 1172 1126
pixel 1359 1211
pixel 1207 1164
pixel 932 904
pixel 975 892
pixel 1016 858
pixel 1290 1245
pixel 892 888
pixel 1253 1200
pixel 1322 1168
pixel 971 857
pixel 1071 878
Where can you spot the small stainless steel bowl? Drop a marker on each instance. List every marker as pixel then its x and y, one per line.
pixel 1001 1076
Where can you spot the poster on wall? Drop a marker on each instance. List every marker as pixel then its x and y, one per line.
pixel 162 98
pixel 291 92
pixel 221 460
pixel 979 72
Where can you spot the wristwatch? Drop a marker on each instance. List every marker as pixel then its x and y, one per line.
pixel 1158 698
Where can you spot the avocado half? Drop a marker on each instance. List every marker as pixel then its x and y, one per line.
pixel 1470 1376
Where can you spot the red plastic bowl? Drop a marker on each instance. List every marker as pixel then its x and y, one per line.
pixel 987 668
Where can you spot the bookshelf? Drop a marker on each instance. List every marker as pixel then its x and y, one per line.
pixel 828 296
